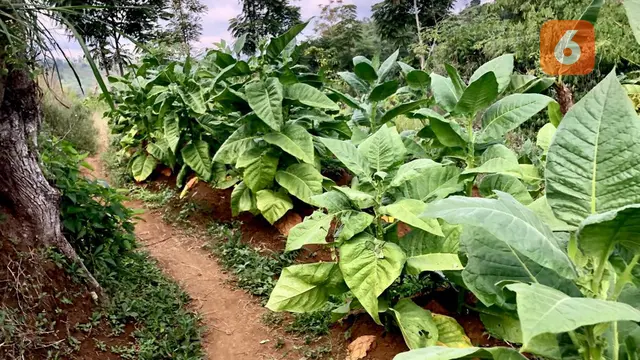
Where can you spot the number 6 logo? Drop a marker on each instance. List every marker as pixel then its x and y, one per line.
pixel 567 47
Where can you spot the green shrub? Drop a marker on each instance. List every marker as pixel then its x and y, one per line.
pixel 73 123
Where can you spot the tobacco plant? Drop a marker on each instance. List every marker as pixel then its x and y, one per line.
pixel 359 224
pixel 164 118
pixel 560 275
pixel 474 118
pixel 282 108
pixel 373 85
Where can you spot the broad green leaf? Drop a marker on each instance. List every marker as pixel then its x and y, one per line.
pixel 418 79
pixel 491 261
pixel 505 183
pixel 363 69
pixel 334 201
pixel 235 145
pixel 273 205
pixel 301 180
pixel 437 183
pixel 545 137
pixel 480 93
pixel 305 287
pixel 401 110
pixel 369 267
pixel 412 170
pixel 457 81
pixel 239 68
pixel 447 353
pixel 502 67
pixel 406 68
pixel 383 91
pixel 429 114
pixel 278 44
pixel 353 223
pixel 418 242
pixel 448 133
pixel 511 223
pixel 142 166
pixel 633 13
pixel 555 113
pixel 313 230
pixel 242 200
pixel 349 156
pixel 265 98
pixel 543 210
pixel 593 162
pixel 444 92
pixel 354 82
pixel 409 211
pixel 347 99
pixel 196 155
pixel 309 96
pixel 387 67
pixel 598 234
pixel 416 324
pixel 501 325
pixel 383 149
pixel 509 113
pixel 499 151
pixel 172 132
pixel 361 199
pixel 192 96
pixel 543 310
pixel 433 262
pixel 295 140
pixel 591 12
pixel 155 150
pixel 450 333
pixel 497 166
pixel 260 166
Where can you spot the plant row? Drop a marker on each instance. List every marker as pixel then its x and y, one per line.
pixel 546 242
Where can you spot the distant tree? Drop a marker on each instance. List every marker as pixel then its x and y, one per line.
pixel 340 36
pixel 474 3
pixel 260 18
pixel 105 24
pixel 400 20
pixel 185 24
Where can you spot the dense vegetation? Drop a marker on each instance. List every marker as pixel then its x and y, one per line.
pixel 536 237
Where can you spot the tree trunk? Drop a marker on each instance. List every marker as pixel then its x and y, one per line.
pixel 22 183
pixel 418 28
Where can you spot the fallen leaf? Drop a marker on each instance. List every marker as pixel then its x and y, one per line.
pixel 287 222
pixel 190 184
pixel 360 347
pixel 166 172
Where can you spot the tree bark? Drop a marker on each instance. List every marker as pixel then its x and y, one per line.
pixel 22 182
pixel 418 28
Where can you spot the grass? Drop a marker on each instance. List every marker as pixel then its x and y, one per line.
pixel 253 271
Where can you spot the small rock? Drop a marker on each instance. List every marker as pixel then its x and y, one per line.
pixel 360 347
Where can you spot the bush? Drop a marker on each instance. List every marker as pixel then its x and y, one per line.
pixel 73 123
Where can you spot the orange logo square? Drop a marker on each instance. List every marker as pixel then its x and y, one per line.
pixel 567 47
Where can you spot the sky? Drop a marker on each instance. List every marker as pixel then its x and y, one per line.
pixel 216 21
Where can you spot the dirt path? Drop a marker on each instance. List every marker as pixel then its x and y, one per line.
pixel 232 317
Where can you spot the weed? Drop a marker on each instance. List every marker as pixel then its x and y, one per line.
pixel 410 285
pixel 253 271
pixel 314 323
pixel 116 166
pixel 279 343
pixel 271 318
pixel 153 199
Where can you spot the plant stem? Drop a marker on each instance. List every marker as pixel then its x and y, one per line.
pixel 374 112
pixel 576 343
pixel 602 264
pixel 616 342
pixel 470 153
pixel 595 351
pixel 624 278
